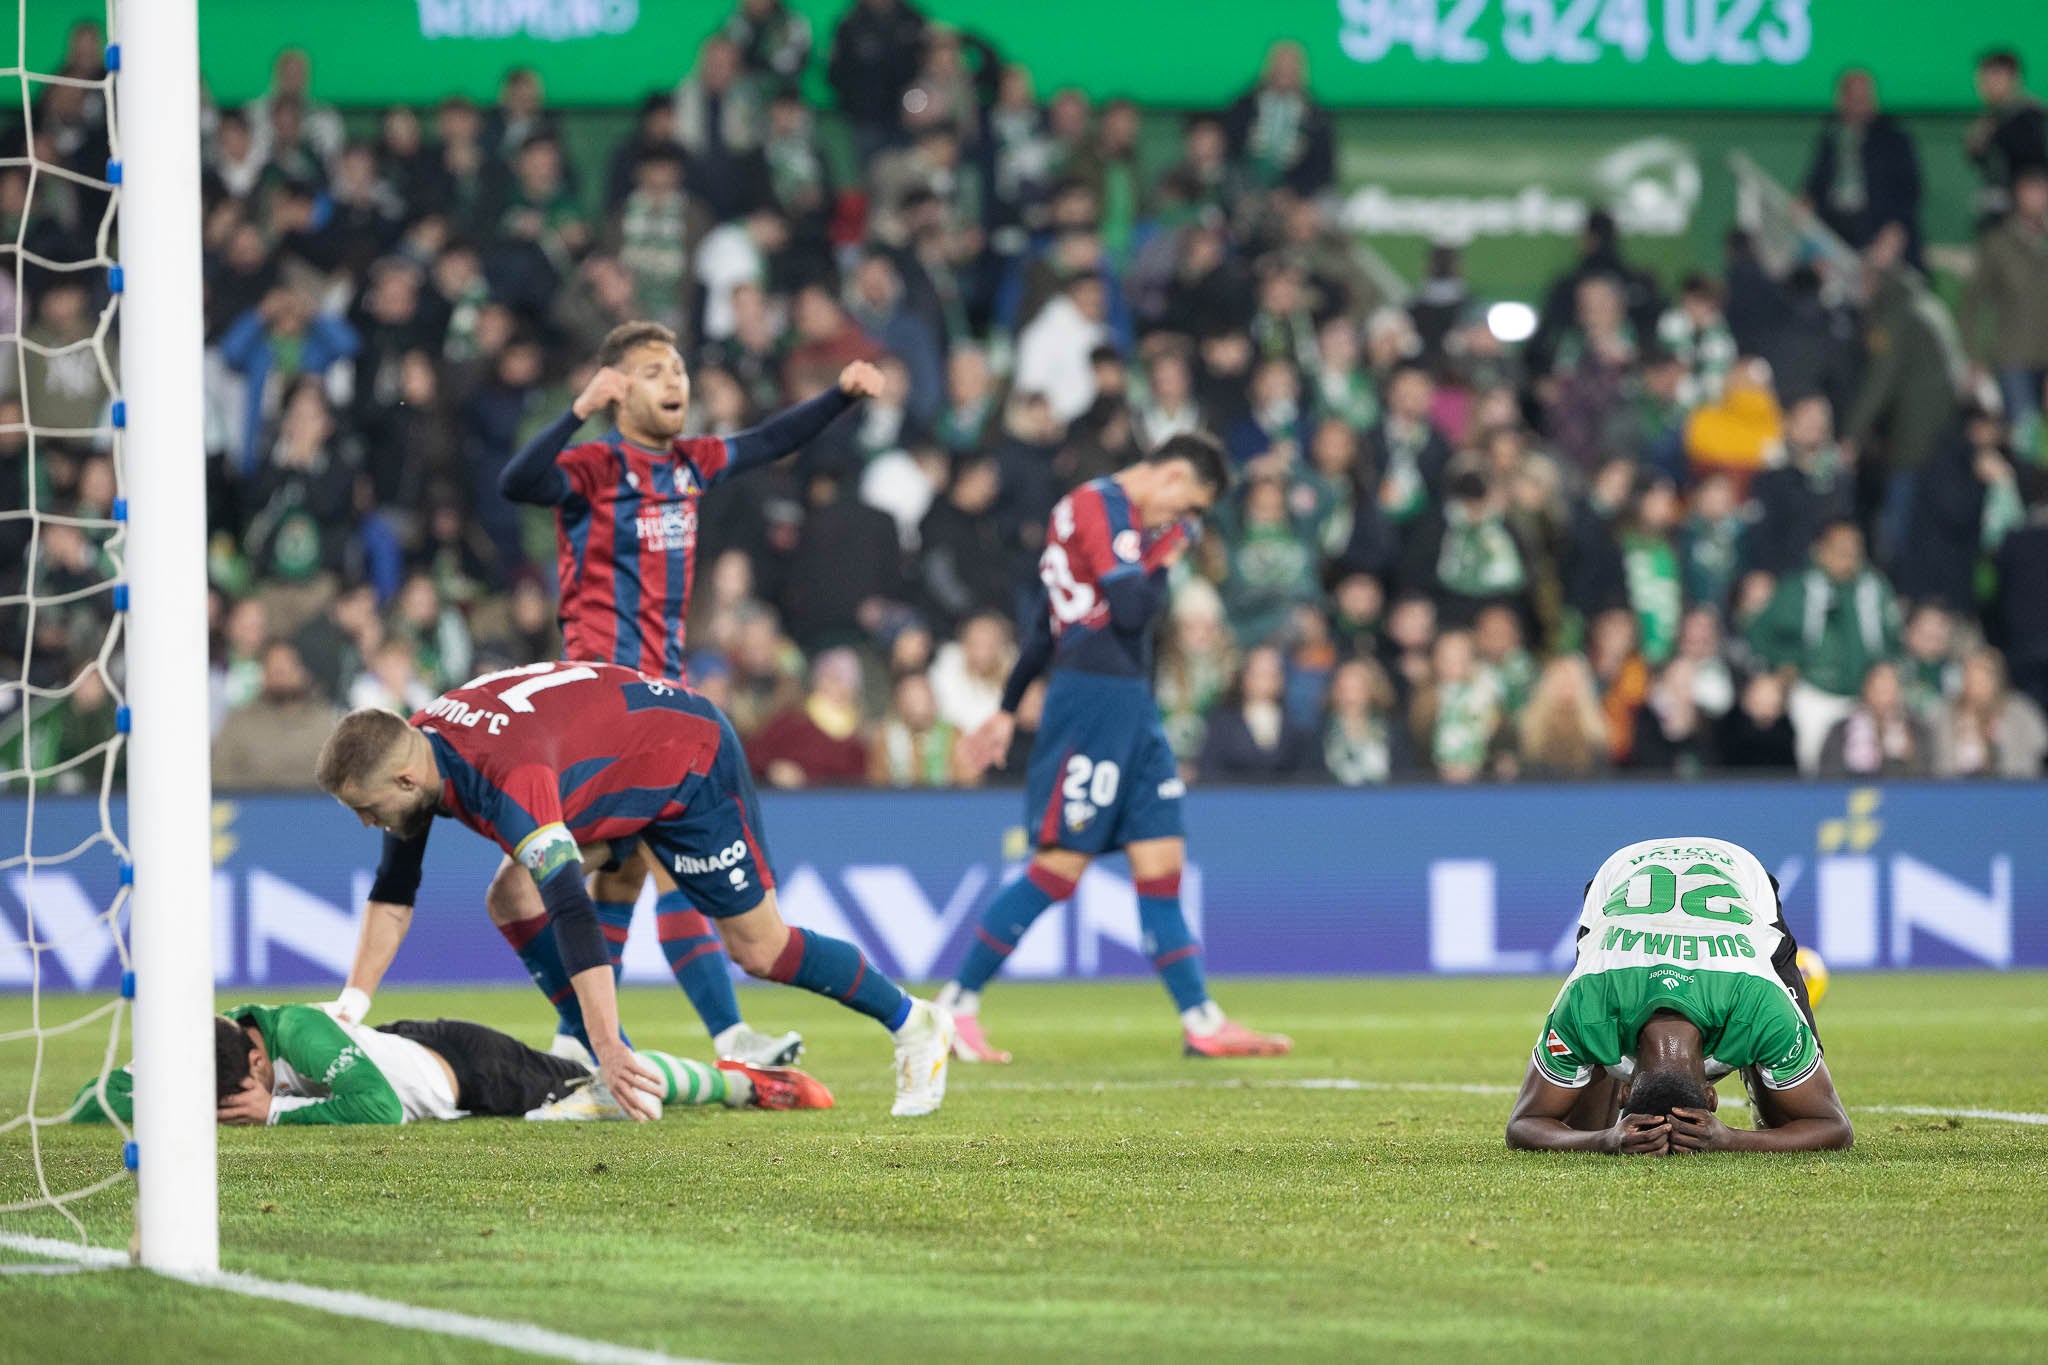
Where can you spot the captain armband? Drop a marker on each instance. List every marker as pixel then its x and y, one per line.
pixel 547 851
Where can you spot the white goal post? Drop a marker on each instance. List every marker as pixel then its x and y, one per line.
pixel 156 90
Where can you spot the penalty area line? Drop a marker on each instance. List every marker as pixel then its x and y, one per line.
pixel 512 1336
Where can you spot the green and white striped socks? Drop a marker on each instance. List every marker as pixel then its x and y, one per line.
pixel 692 1082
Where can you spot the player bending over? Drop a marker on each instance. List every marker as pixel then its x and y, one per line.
pixel 553 757
pixel 626 532
pixel 1102 776
pixel 1686 972
pixel 297 1064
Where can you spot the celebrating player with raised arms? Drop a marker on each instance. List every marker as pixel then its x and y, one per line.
pixel 626 527
pixel 1102 775
pixel 552 758
pixel 1685 973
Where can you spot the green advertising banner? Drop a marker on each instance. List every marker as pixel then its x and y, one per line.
pixel 1420 54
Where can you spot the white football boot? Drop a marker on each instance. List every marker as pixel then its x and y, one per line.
pixel 923 1047
pixel 742 1044
pixel 587 1103
pixel 570 1047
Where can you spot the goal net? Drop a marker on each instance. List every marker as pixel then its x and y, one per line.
pixel 74 577
pixel 64 594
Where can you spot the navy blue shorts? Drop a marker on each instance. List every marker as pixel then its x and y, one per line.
pixel 714 849
pixel 1102 775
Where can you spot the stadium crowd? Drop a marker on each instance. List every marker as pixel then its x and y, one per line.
pixel 1701 525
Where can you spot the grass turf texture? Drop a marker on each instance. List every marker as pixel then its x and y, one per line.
pixel 1104 1199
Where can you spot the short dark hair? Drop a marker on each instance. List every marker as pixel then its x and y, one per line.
pixel 2004 58
pixel 232 1050
pixel 1659 1092
pixel 357 749
pixel 621 340
pixel 1201 450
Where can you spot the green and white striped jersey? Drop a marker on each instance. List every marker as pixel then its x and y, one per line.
pixel 1687 925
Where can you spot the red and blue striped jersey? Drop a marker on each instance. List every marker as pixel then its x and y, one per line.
pixel 604 751
pixel 627 548
pixel 1093 548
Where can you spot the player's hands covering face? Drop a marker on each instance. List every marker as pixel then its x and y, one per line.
pixel 248 1106
pixel 1640 1135
pixel 1697 1130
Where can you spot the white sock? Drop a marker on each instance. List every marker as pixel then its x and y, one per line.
pixel 739 1089
pixel 957 1001
pixel 724 1042
pixel 1203 1020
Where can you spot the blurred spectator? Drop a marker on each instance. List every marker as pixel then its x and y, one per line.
pixel 1599 258
pixel 1467 556
pixel 826 342
pixel 1405 456
pixel 1250 736
pixel 61 384
pixel 1907 398
pixel 390 682
pixel 301 497
pixel 963 425
pixel 1700 646
pixel 2008 138
pixel 1591 375
pixel 1928 668
pixel 1696 336
pixel 1497 636
pixel 914 747
pixel 2022 613
pixel 235 674
pixel 818 743
pixel 270 742
pixel 1282 135
pixel 1829 626
pixel 519 117
pixel 1620 673
pixel 335 646
pixel 1864 173
pixel 291 83
pixel 492 420
pixel 1757 733
pixel 1879 737
pixel 653 230
pixel 1561 733
pixel 653 136
pixel 1807 486
pixel 2008 299
pixel 272 345
pixel 848 563
pixel 875 303
pixel 1712 541
pixel 1053 348
pixel 1168 408
pixel 1649 560
pixel 540 231
pixel 719 121
pixel 875 53
pixel 968 674
pixel 774 42
pixel 1965 501
pixel 1322 497
pixel 440 640
pixel 1273 430
pixel 1989 730
pixel 1673 737
pixel 963 560
pixel 1271 569
pixel 1458 714
pixel 765 671
pixel 1197 661
pixel 1364 743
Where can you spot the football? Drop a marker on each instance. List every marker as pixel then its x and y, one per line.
pixel 1815 973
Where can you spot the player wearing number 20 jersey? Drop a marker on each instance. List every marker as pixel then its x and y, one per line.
pixel 1102 776
pixel 1686 972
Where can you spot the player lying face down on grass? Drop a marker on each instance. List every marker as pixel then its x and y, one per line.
pixel 626 507
pixel 296 1064
pixel 1102 775
pixel 1686 972
pixel 553 758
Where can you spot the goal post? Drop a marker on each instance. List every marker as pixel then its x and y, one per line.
pixel 156 90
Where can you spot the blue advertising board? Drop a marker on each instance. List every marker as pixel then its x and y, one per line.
pixel 1281 881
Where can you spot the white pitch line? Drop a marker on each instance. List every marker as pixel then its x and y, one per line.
pixel 1445 1088
pixel 512 1336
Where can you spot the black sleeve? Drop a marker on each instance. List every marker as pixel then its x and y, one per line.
pixel 532 475
pixel 398 870
pixel 574 920
pixel 1034 656
pixel 785 431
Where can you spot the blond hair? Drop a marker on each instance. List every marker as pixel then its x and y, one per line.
pixel 358 750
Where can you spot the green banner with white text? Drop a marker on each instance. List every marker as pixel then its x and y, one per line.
pixel 1422 54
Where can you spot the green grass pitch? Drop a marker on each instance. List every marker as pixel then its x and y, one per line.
pixel 1104 1199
